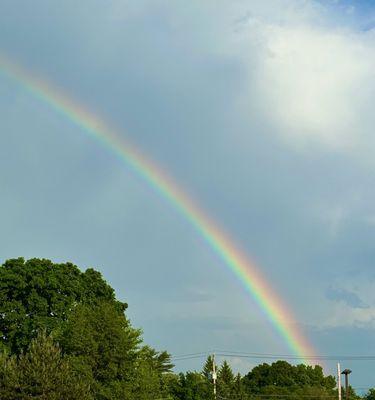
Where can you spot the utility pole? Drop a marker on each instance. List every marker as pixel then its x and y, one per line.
pixel 214 375
pixel 346 372
pixel 339 380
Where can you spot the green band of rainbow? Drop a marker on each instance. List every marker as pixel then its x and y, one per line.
pixel 247 273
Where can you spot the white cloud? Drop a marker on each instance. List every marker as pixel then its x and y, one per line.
pixel 313 82
pixel 355 308
pixel 308 78
pixel 342 315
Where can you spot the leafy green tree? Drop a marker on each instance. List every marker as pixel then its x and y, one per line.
pixel 81 311
pixel 283 374
pixel 370 395
pixel 282 378
pixel 148 380
pixel 102 346
pixel 352 394
pixel 191 386
pixel 172 389
pixel 105 348
pixel 38 295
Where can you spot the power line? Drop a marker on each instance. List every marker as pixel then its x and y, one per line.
pixel 233 354
pixel 192 354
pixel 188 357
pixel 295 357
pixel 277 357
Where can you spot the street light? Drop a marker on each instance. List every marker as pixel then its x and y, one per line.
pixel 346 372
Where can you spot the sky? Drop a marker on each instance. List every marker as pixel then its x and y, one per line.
pixel 260 110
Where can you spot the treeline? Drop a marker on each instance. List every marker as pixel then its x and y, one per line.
pixel 279 380
pixel 65 336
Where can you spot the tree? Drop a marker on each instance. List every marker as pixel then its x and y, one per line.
pixel 38 295
pixel 81 312
pixel 370 395
pixel 194 386
pixel 8 376
pixel 282 378
pixel 283 374
pixel 352 394
pixel 208 367
pixel 225 381
pixel 41 373
pixel 102 346
pixel 239 392
pixel 172 389
pixel 150 368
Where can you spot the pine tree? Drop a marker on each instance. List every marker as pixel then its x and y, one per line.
pixel 207 369
pixel 225 380
pixel 46 375
pixel 9 380
pixel 41 373
pixel 239 392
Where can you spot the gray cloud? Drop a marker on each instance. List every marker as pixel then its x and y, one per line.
pixel 349 298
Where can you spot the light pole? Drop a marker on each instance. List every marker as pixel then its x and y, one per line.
pixel 339 381
pixel 346 372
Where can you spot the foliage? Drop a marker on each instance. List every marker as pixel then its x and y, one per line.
pixel 102 346
pixel 38 295
pixel 148 377
pixel 283 374
pixel 352 394
pixel 63 335
pixel 192 386
pixel 239 392
pixel 207 368
pixel 81 312
pixel 370 395
pixel 225 381
pixel 282 378
pixel 40 373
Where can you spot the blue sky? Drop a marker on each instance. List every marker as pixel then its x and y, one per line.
pixel 261 110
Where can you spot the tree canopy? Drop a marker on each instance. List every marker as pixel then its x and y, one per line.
pixel 41 372
pixel 79 312
pixel 39 295
pixel 64 335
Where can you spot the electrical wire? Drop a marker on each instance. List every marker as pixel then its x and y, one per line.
pixel 234 354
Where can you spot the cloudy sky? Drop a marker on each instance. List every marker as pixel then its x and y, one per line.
pixel 261 110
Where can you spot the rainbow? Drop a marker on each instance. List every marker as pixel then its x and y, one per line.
pixel 247 272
